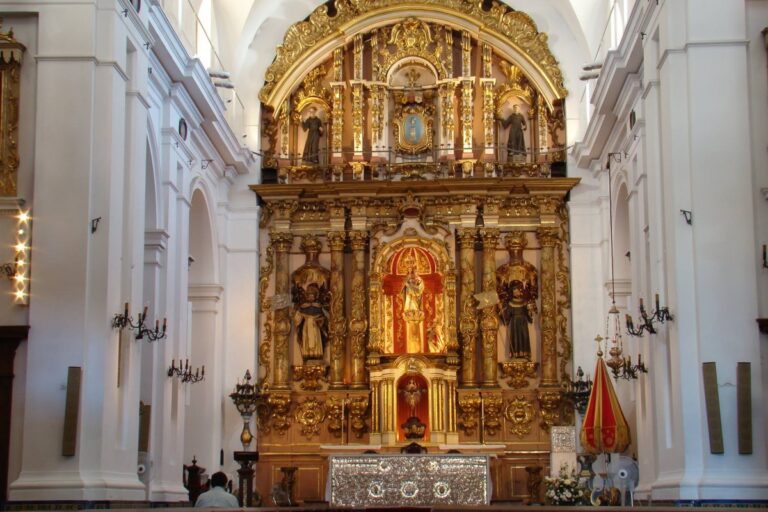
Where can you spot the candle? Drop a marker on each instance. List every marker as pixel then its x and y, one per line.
pixel 144 315
pixel 165 323
pixel 203 370
pixel 126 305
pixel 657 302
pixel 173 364
pixel 197 372
pixel 186 364
pixel 639 359
pixel 157 325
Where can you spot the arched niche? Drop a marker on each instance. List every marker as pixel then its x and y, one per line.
pixel 388 281
pixel 203 421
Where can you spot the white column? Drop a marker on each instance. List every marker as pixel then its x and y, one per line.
pixel 710 265
pixel 81 174
pixel 168 411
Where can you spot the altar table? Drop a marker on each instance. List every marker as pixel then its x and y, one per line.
pixel 408 480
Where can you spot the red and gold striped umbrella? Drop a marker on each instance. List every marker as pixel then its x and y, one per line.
pixel 605 430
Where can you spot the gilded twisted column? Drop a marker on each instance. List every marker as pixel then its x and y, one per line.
pixel 489 321
pixel 548 238
pixel 282 242
pixel 338 324
pixel 468 317
pixel 358 324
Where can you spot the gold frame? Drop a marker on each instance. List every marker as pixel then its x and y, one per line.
pixel 403 146
pixel 10 86
pixel 378 269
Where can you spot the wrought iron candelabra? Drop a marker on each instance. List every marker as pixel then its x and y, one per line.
pixel 185 372
pixel 247 397
pixel 121 321
pixel 622 367
pixel 661 315
pixel 578 391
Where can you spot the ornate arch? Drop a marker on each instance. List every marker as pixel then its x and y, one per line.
pixel 513 34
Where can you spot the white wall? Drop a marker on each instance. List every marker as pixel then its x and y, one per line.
pixel 100 110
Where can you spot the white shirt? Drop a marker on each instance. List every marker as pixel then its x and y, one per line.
pixel 217 497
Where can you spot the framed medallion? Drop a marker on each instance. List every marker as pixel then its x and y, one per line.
pixel 413 130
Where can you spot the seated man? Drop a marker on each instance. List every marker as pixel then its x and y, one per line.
pixel 217 497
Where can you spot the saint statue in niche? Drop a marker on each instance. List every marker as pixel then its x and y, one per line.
pixel 413 313
pixel 517 286
pixel 311 300
pixel 516 137
pixel 314 128
pixel 311 324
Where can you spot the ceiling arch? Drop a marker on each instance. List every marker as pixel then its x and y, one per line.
pixel 249 32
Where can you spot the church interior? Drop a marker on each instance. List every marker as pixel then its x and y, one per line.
pixel 383 253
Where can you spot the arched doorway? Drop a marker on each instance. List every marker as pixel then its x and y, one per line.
pixel 203 414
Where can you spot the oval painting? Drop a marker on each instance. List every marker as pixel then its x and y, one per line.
pixel 413 129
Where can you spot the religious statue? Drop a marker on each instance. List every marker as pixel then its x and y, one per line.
pixel 314 128
pixel 311 324
pixel 517 286
pixel 413 428
pixel 311 300
pixel 516 137
pixel 413 314
pixel 412 394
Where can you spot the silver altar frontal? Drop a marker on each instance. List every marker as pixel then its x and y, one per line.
pixel 375 480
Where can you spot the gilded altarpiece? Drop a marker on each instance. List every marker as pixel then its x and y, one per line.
pixel 414 280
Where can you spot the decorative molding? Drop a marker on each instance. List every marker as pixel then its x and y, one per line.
pixel 321 29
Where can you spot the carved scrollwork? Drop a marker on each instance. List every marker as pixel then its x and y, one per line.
pixel 280 407
pixel 358 408
pixel 520 414
pixel 549 407
pixel 492 405
pixel 519 372
pixel 310 376
pixel 469 412
pixel 310 413
pixel 11 52
pixel 335 412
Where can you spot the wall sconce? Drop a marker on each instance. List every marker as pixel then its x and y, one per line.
pixel 185 372
pixel 121 321
pixel 661 315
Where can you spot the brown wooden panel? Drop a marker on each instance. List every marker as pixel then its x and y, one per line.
pixel 71 412
pixel 712 400
pixel 145 413
pixel 744 406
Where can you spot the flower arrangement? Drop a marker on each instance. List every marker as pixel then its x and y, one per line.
pixel 565 489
